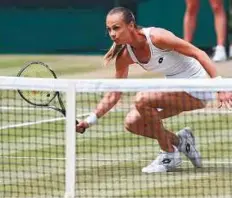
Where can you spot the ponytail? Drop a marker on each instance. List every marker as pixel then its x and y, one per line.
pixel 112 53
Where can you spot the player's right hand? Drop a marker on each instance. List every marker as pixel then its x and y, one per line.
pixel 81 126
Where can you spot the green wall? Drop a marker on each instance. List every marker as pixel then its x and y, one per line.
pixel 169 14
pixel 52 31
pixel 69 30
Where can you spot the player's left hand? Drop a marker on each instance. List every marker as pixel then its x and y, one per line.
pixel 225 99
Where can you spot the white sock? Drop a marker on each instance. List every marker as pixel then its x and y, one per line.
pixel 220 47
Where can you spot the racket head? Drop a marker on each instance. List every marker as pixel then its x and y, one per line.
pixel 37 69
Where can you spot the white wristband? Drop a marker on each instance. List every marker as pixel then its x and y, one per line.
pixel 91 119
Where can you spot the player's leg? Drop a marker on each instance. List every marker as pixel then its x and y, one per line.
pixel 220 28
pixel 166 160
pixel 146 120
pixel 138 124
pixel 190 17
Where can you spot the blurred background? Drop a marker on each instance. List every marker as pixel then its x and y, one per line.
pixel 63 33
pixel 77 26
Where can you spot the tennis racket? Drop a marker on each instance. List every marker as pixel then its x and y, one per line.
pixel 37 69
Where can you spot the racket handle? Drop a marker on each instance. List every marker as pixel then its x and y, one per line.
pixel 82 128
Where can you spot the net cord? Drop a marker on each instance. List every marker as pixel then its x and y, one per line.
pixel 122 85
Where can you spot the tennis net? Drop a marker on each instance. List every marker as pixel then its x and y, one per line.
pixel 42 156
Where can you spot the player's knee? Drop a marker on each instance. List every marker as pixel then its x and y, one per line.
pixel 216 6
pixel 128 125
pixel 192 7
pixel 130 122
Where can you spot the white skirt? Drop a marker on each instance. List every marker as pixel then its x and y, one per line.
pixel 205 96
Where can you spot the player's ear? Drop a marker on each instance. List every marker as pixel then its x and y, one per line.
pixel 131 25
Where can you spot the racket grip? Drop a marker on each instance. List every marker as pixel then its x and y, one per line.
pixel 82 128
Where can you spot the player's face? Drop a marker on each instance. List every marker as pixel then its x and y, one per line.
pixel 118 30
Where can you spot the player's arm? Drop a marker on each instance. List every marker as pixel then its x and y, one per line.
pixel 110 98
pixel 166 40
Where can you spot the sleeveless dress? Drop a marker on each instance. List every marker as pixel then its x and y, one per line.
pixel 173 65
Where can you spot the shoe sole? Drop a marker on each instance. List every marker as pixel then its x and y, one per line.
pixel 197 163
pixel 177 165
pixel 167 169
pixel 190 137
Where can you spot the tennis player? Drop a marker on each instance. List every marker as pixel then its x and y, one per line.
pixel 156 49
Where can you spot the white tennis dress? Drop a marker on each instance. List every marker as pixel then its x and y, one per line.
pixel 173 65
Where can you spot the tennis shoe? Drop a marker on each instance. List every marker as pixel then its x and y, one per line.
pixel 230 52
pixel 188 146
pixel 164 162
pixel 219 54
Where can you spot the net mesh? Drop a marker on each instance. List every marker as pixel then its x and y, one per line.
pixel 109 159
pixel 32 149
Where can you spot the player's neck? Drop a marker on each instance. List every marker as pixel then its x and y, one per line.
pixel 138 40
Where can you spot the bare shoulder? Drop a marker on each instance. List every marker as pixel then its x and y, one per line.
pixel 158 34
pixel 163 38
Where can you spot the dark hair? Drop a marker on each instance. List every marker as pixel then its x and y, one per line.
pixel 128 17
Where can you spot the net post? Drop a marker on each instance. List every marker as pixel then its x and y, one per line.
pixel 70 141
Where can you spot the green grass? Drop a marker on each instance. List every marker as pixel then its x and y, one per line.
pixel 109 161
pixel 62 65
pixel 52 185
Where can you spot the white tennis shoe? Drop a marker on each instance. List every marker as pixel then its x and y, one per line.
pixel 164 162
pixel 219 54
pixel 230 52
pixel 188 147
